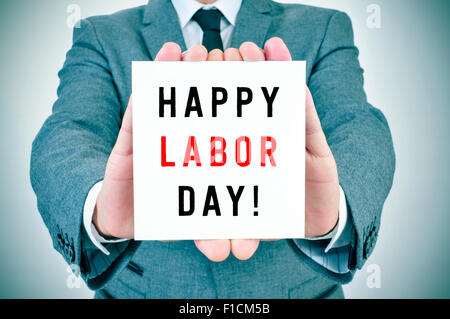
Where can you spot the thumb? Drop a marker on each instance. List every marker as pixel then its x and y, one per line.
pixel 276 50
pixel 316 142
pixel 124 144
pixel 119 166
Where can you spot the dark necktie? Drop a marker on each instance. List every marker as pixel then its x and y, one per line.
pixel 209 21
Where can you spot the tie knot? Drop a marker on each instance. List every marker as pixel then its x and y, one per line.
pixel 209 20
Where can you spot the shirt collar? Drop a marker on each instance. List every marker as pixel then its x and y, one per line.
pixel 187 8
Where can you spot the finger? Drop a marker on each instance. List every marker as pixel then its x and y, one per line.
pixel 169 52
pixel 251 52
pixel 214 250
pixel 276 50
pixel 243 249
pixel 215 55
pixel 316 142
pixel 232 54
pixel 196 53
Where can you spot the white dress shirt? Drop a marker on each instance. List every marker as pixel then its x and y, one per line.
pixel 331 250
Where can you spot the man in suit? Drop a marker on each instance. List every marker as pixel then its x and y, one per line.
pixel 81 165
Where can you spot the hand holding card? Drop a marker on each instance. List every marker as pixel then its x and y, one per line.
pixel 115 205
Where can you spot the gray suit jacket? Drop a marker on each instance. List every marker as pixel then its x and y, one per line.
pixel 71 150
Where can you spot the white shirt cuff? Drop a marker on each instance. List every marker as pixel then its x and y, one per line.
pixel 88 213
pixel 340 235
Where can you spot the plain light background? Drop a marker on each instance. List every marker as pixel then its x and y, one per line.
pixel 407 77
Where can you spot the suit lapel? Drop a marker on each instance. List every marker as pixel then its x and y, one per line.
pixel 252 23
pixel 160 26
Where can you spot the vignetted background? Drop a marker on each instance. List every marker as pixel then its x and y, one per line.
pixel 406 59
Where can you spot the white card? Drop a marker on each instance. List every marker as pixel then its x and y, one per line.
pixel 184 188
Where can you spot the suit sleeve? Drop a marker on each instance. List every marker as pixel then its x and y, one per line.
pixel 70 153
pixel 357 133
